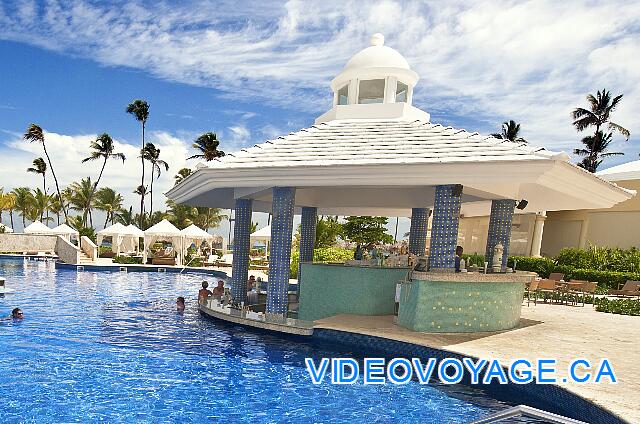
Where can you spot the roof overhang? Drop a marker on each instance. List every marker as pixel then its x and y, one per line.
pixel 393 189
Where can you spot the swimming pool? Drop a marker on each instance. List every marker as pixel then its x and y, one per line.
pixel 110 346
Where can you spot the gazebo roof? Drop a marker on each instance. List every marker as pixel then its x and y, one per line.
pixel 263 233
pixel 37 227
pixel 134 231
pixel 64 229
pixel 163 228
pixel 373 153
pixel 114 229
pixel 195 232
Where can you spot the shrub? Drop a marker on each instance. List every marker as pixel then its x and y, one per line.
pixel 327 254
pixel 127 260
pixel 473 259
pixel 618 306
pixel 601 258
pixel 542 266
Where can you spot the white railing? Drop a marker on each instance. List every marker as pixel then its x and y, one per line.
pixel 66 251
pixel 89 248
pixel 527 411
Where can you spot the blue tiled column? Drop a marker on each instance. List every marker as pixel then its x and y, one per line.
pixel 444 228
pixel 307 236
pixel 281 233
pixel 500 229
pixel 241 247
pixel 418 231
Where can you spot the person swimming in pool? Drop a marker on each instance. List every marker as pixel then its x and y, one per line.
pixel 180 304
pixel 16 314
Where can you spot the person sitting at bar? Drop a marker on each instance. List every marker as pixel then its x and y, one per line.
pixel 204 292
pixel 218 291
pixel 251 282
pixel 459 251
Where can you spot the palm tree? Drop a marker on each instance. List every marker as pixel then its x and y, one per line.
pixel 41 205
pixel 152 154
pixel 34 133
pixel 208 217
pixel 40 167
pixel 140 110
pixel 125 216
pixel 207 144
pixel 181 175
pixel 110 202
pixel 510 132
pixel 7 203
pixel 82 199
pixel 77 222
pixel 23 202
pixel 179 214
pixel 595 143
pixel 102 149
pixel 56 207
pixel 141 191
pixel 598 115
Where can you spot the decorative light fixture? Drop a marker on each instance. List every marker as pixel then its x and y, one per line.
pixel 522 204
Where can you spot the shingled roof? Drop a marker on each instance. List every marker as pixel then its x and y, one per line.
pixel 380 142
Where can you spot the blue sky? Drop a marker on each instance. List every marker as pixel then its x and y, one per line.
pixel 257 70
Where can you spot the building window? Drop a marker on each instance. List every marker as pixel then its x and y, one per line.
pixel 371 91
pixel 402 92
pixel 343 95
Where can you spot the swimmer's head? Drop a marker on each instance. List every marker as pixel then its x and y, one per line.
pixel 205 284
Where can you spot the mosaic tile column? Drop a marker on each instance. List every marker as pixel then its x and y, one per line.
pixel 281 233
pixel 307 236
pixel 500 229
pixel 418 231
pixel 241 248
pixel 444 228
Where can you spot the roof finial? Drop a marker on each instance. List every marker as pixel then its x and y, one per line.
pixel 377 39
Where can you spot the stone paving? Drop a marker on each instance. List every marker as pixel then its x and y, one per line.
pixel 545 330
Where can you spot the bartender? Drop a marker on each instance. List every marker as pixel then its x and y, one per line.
pixel 458 258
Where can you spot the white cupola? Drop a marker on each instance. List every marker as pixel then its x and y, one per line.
pixel 376 83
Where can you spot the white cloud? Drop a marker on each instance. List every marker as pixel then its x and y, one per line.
pixel 532 61
pixel 67 152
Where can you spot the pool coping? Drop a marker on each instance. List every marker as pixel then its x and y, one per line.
pixel 548 397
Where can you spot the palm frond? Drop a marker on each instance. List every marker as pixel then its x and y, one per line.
pixel 625 132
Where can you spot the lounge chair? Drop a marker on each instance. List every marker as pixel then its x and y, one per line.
pixel 580 287
pixel 556 276
pixel 532 287
pixel 162 260
pixel 630 288
pixel 547 286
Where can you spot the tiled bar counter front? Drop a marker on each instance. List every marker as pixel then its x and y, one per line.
pixel 462 303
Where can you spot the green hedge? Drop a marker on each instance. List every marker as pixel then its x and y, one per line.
pixel 327 254
pixel 618 306
pixel 127 260
pixel 601 259
pixel 544 266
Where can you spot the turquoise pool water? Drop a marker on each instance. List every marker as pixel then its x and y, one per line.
pixel 111 347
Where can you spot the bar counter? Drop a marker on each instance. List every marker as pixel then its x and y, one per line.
pixel 462 302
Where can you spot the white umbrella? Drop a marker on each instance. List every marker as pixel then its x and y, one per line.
pixel 37 227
